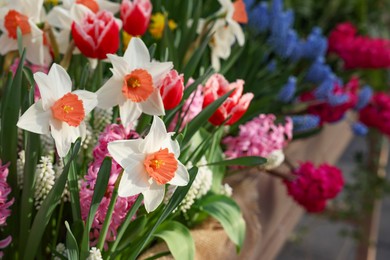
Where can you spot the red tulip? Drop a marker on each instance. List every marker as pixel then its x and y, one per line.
pixel 234 106
pixel 97 35
pixel 136 16
pixel 172 89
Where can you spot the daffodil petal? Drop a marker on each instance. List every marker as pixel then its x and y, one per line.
pixel 159 70
pixel 172 145
pixel 157 134
pixel 129 112
pixel 109 6
pixel 35 119
pixel 181 177
pixel 59 17
pixel 134 181
pixel 7 44
pixel 153 196
pixel 89 99
pixel 122 150
pixel 61 79
pixel 153 105
pixel 121 67
pixel 108 94
pixel 64 135
pixel 137 55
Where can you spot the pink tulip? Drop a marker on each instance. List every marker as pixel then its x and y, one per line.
pixel 172 89
pixel 136 16
pixel 97 35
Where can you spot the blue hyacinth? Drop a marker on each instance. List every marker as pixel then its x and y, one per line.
pixel 286 94
pixel 364 97
pixel 315 45
pixel 324 90
pixel 318 71
pixel 337 100
pixel 259 17
pixel 303 123
pixel 359 128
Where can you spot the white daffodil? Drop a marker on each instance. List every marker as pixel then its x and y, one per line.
pixel 25 14
pixel 227 30
pixel 60 111
pixel 134 84
pixel 149 164
pixel 62 17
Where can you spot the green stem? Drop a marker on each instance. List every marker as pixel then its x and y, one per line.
pixel 126 223
pixel 74 192
pixel 107 220
pixel 58 225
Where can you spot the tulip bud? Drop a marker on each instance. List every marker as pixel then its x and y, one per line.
pixel 172 89
pixel 135 16
pixel 234 106
pixel 97 35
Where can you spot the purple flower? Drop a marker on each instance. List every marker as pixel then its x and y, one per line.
pixel 5 203
pixel 286 94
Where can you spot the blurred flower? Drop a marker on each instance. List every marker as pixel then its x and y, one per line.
pixel 316 45
pixel 157 25
pixel 226 190
pixel 61 249
pixel 25 14
pixel 20 167
pixel 134 84
pixel 377 113
pixel 95 254
pixel 259 137
pixel 274 160
pixel 314 186
pixel 5 203
pixel 123 205
pixel 359 129
pixel 60 111
pixel 306 122
pixel 364 97
pixel 96 35
pixel 259 16
pixel 172 89
pixel 286 94
pixel 318 71
pixel 149 164
pixel 359 51
pixel 135 15
pixel 335 100
pixel 234 106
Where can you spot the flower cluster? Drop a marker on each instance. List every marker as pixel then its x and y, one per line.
pixel 314 186
pixel 5 203
pixel 259 137
pixel 331 100
pixel 123 205
pixel 377 113
pixel 359 51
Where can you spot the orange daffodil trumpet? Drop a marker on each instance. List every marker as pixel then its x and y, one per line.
pixel 59 111
pixel 134 84
pixel 149 164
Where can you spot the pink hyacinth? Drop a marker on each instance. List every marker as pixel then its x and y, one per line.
pixel 259 137
pixel 377 113
pixel 191 108
pixel 123 205
pixel 358 51
pixel 314 186
pixel 5 212
pixel 34 68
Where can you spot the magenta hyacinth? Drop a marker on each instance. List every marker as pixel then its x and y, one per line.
pixel 5 203
pixel 122 205
pixel 259 137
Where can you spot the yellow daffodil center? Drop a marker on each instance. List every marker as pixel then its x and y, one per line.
pixel 157 25
pixel 69 109
pixel 161 166
pixel 138 85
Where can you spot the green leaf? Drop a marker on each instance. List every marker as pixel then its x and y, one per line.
pixel 47 208
pixel 103 177
pixel 203 116
pixel 242 161
pixel 178 238
pixel 177 197
pixel 73 182
pixel 227 212
pixel 71 244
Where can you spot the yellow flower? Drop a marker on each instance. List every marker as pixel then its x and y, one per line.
pixel 52 2
pixel 126 39
pixel 157 25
